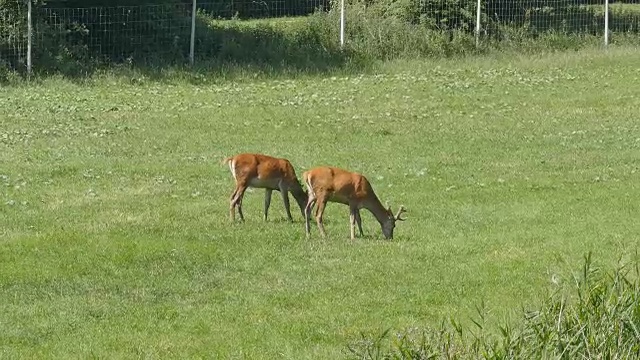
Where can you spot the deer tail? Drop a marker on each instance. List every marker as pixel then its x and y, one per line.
pixel 226 161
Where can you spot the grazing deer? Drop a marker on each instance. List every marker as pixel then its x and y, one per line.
pixel 330 184
pixel 266 172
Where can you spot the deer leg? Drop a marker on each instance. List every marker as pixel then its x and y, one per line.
pixel 240 210
pixel 287 205
pixel 319 212
pixel 307 215
pixel 236 201
pixel 267 202
pixel 232 205
pixel 352 222
pixel 359 221
pixel 311 201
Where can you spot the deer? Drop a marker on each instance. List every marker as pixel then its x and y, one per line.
pixel 331 184
pixel 266 172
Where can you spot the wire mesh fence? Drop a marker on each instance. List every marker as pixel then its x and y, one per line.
pixel 566 16
pixel 164 31
pixel 13 34
pixel 115 33
pixel 252 9
pixel 541 15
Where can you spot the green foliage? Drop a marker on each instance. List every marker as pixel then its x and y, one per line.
pixel 72 38
pixel 388 38
pixel 303 44
pixel 70 4
pixel 132 34
pixel 596 315
pixel 12 34
pixel 247 9
pixel 435 14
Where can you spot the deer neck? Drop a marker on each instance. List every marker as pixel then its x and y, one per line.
pixel 297 191
pixel 377 209
pixel 300 195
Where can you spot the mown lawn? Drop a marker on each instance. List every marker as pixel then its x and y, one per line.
pixel 115 239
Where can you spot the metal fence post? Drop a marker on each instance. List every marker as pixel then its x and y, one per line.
pixel 29 36
pixel 478 12
pixel 606 23
pixel 193 34
pixel 341 23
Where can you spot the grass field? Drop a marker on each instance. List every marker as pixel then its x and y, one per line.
pixel 115 240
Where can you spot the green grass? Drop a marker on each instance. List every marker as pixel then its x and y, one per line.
pixel 115 240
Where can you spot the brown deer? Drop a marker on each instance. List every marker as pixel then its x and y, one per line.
pixel 266 172
pixel 330 184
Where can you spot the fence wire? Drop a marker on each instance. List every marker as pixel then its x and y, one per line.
pixel 145 33
pixel 116 33
pixel 252 9
pixel 539 16
pixel 13 34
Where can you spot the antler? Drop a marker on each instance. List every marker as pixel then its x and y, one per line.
pixel 400 211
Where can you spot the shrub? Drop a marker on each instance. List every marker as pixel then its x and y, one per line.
pixel 596 316
pixel 130 34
